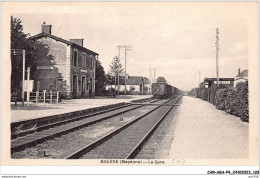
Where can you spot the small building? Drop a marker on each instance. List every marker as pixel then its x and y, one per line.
pixel 135 85
pixel 211 85
pixel 72 69
pixel 241 77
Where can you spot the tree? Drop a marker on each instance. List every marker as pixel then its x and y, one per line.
pixel 101 78
pixel 116 69
pixel 161 80
pixel 33 49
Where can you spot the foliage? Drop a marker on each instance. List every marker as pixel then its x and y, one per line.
pixel 203 94
pixel 34 51
pixel 115 71
pixel 116 67
pixel 220 99
pixel 101 78
pixel 161 80
pixel 234 100
pixel 242 93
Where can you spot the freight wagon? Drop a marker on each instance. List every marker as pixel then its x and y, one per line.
pixel 161 90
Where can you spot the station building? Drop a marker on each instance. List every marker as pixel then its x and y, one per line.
pixel 71 71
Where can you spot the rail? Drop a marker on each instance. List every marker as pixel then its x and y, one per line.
pixel 78 154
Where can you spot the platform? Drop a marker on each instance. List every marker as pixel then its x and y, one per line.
pixel 204 132
pixel 22 113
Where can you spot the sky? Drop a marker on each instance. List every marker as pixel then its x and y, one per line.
pixel 178 39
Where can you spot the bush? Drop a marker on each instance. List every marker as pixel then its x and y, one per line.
pixel 220 99
pixel 230 101
pixel 234 101
pixel 242 100
pixel 204 94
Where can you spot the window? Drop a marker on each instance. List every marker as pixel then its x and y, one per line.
pixel 75 58
pixel 84 62
pixel 91 62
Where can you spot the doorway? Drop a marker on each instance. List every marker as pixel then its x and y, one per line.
pixel 90 87
pixel 74 85
pixel 83 87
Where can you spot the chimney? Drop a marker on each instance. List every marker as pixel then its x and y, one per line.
pixel 238 71
pixel 77 41
pixel 46 28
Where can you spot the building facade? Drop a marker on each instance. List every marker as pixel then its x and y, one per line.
pixel 71 71
pixel 135 85
pixel 211 85
pixel 241 77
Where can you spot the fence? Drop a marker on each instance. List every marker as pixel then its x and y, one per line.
pixel 50 97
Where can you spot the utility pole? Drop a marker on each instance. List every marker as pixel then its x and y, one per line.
pixel 199 78
pixel 127 48
pixel 154 75
pixel 23 76
pixel 118 70
pixel 16 52
pixel 28 84
pixel 217 49
pixel 150 75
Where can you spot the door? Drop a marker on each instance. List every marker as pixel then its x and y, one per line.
pixel 74 85
pixel 83 87
pixel 60 85
pixel 90 88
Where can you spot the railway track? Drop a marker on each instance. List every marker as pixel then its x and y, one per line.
pixel 126 141
pixel 49 131
pixel 49 121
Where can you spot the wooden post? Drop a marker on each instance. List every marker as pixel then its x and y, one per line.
pixel 28 83
pixel 50 97
pixel 217 49
pixel 57 97
pixel 23 76
pixel 37 95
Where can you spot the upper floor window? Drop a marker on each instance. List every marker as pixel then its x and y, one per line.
pixel 91 62
pixel 84 61
pixel 75 58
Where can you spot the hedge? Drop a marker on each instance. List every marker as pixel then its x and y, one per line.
pixel 203 94
pixel 234 100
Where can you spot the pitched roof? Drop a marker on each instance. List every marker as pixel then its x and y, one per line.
pixel 43 34
pixel 244 73
pixel 136 80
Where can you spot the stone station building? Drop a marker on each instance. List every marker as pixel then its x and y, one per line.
pixel 72 69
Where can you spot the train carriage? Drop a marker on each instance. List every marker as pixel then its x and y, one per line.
pixel 161 90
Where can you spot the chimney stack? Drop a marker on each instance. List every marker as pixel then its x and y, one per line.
pixel 238 71
pixel 77 41
pixel 46 28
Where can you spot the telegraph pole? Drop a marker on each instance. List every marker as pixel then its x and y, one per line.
pixel 23 76
pixel 154 75
pixel 150 72
pixel 217 49
pixel 16 52
pixel 199 78
pixel 127 48
pixel 28 84
pixel 118 70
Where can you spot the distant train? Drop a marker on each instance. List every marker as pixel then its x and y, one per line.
pixel 162 90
